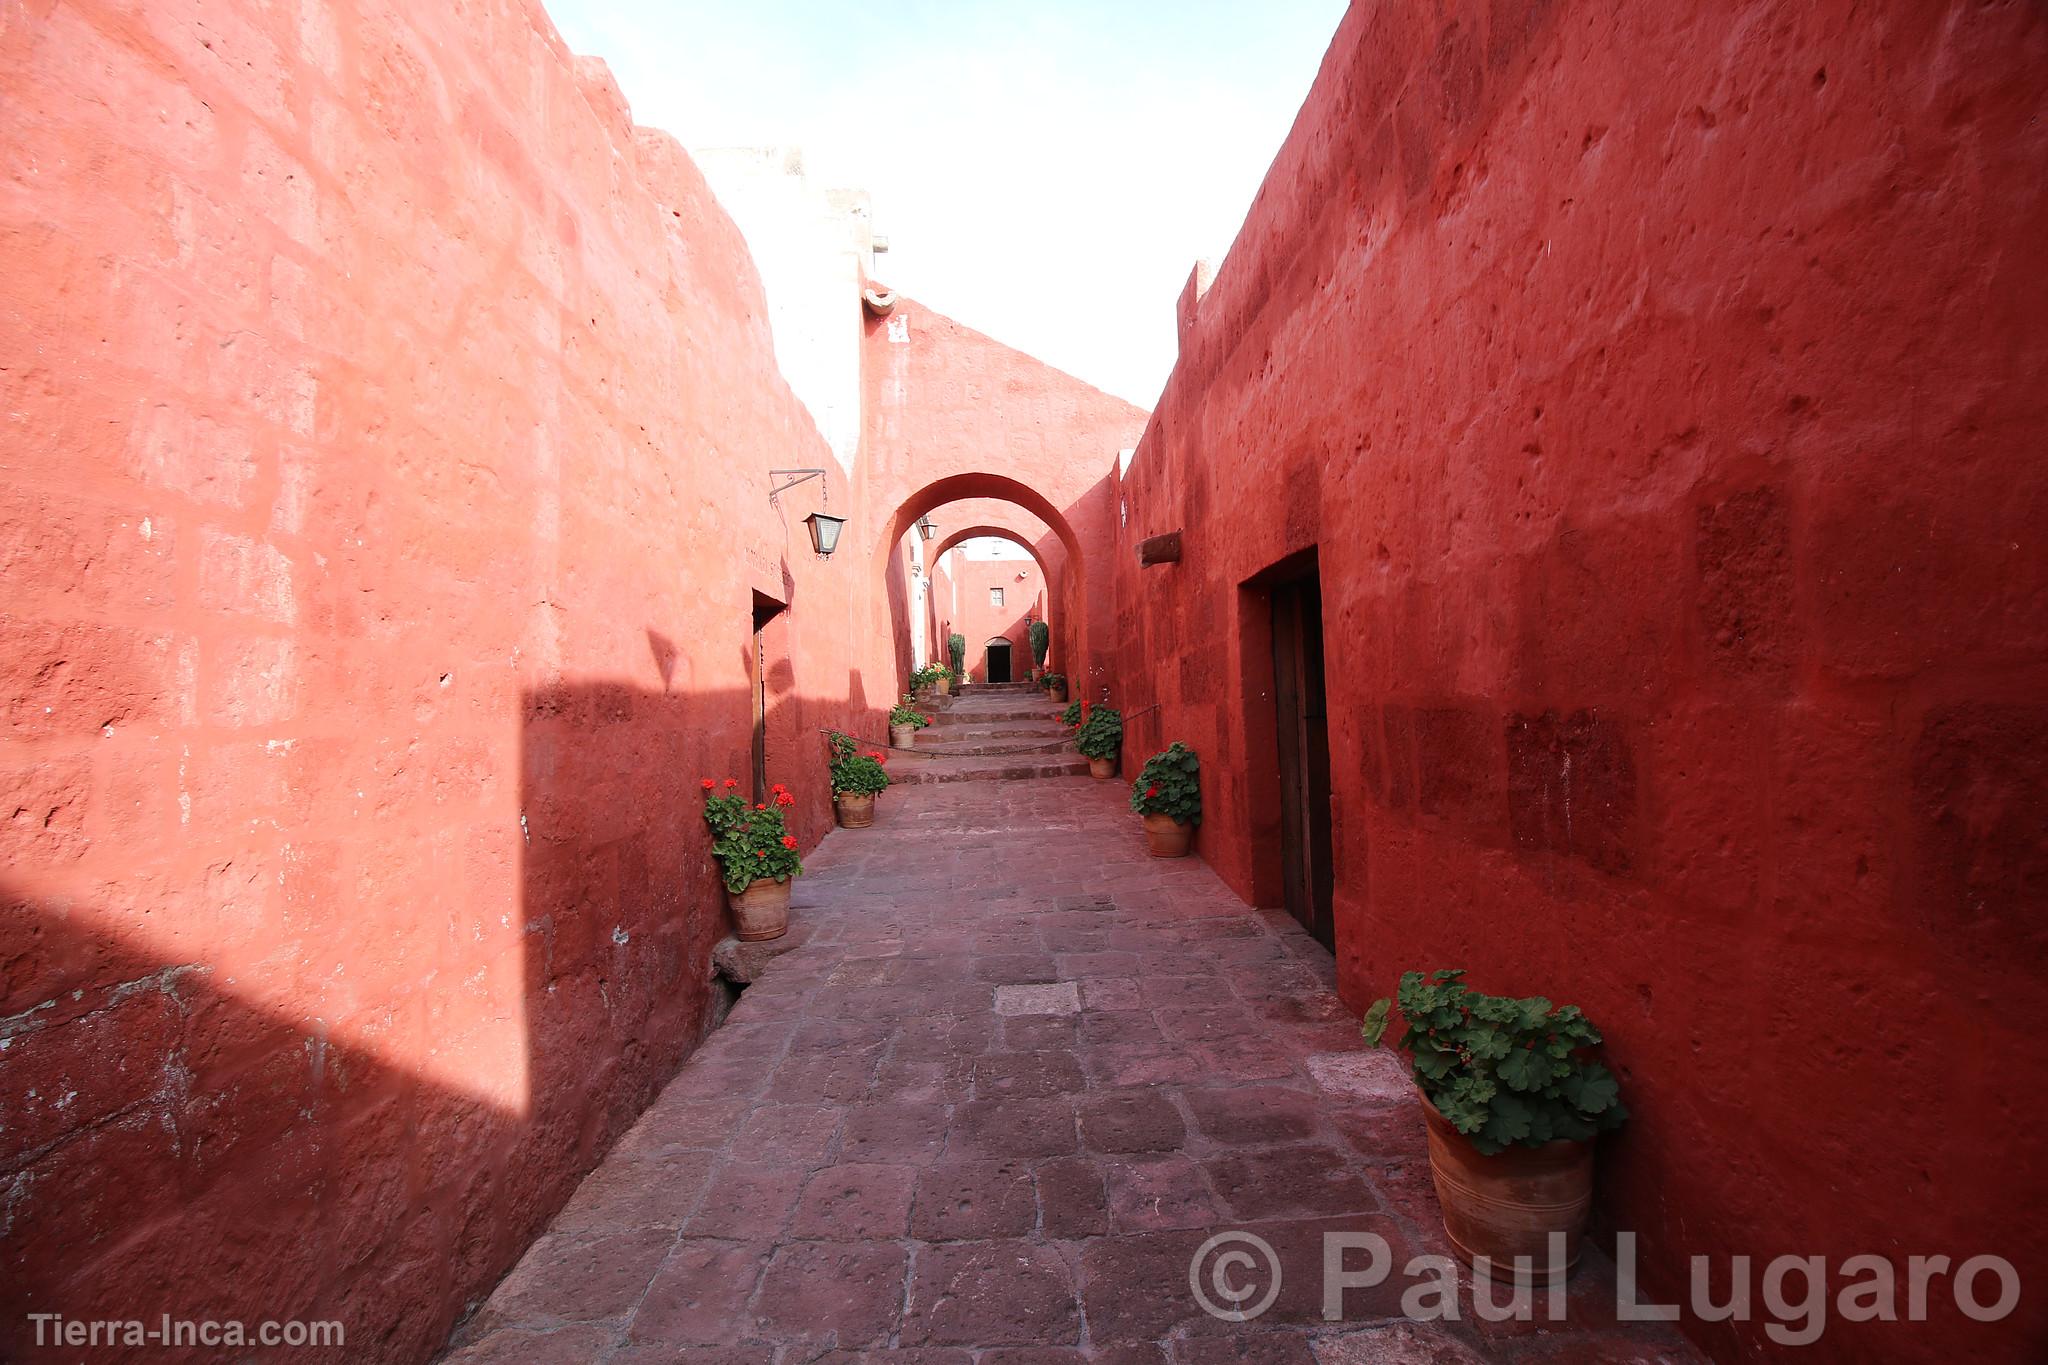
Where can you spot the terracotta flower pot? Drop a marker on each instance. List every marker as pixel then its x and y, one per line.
pixel 1102 767
pixel 854 812
pixel 762 910
pixel 1058 695
pixel 1507 1205
pixel 902 736
pixel 944 686
pixel 1166 837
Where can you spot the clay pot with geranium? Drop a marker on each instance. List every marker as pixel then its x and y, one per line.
pixel 1071 717
pixel 857 779
pixel 1100 738
pixel 905 720
pixel 1168 793
pixel 934 678
pixel 1055 685
pixel 757 855
pixel 1513 1101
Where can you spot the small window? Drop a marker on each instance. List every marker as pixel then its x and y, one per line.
pixel 995 597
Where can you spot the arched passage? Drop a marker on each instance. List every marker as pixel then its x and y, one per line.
pixel 960 488
pixel 951 542
pixel 1066 601
pixel 966 613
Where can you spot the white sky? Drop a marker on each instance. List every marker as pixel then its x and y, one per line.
pixel 989 547
pixel 1046 173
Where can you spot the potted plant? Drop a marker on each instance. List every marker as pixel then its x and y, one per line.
pixel 905 721
pixel 1101 736
pixel 931 677
pixel 1513 1104
pixel 857 779
pixel 942 679
pixel 1040 636
pixel 956 650
pixel 1168 793
pixel 1072 715
pixel 1055 685
pixel 757 855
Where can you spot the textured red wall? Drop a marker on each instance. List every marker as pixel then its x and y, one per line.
pixel 1662 390
pixel 386 427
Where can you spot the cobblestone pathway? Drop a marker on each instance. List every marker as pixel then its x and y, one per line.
pixel 1014 1077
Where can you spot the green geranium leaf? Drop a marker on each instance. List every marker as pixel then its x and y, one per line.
pixel 1488 1047
pixel 1524 1069
pixel 1508 1121
pixel 1375 1026
pixel 1593 1090
pixel 1433 1064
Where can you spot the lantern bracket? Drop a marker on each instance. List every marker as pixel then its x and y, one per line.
pixel 797 476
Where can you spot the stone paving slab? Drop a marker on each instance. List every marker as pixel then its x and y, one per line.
pixel 1012 1078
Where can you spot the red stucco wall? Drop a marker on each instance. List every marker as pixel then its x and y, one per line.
pixel 1662 390
pixel 384 502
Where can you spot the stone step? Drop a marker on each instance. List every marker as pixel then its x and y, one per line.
pixel 985 747
pixel 965 719
pixel 986 769
pixel 982 725
pixel 982 733
pixel 966 714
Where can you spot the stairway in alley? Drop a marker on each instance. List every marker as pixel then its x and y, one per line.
pixel 990 731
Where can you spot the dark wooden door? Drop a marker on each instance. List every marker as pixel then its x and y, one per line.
pixel 765 611
pixel 1303 729
pixel 760 700
pixel 998 662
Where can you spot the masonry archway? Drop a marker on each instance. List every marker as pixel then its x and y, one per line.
pixel 1066 599
pixel 1037 602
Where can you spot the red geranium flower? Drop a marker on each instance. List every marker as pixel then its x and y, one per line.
pixel 789 841
pixel 1151 791
pixel 732 781
pixel 761 806
pixel 760 853
pixel 709 784
pixel 784 799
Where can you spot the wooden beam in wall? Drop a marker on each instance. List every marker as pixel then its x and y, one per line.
pixel 1160 549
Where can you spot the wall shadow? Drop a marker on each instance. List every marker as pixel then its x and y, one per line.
pixel 174 1148
pixel 171 1142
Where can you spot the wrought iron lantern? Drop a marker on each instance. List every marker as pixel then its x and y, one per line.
pixel 824 533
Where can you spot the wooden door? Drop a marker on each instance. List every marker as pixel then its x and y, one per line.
pixel 766 609
pixel 1302 727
